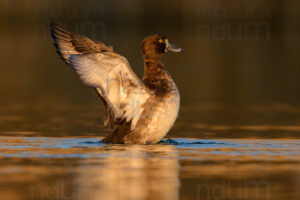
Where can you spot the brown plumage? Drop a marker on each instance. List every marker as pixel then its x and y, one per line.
pixel 137 112
pixel 68 43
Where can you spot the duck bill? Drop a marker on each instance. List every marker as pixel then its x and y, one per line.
pixel 171 47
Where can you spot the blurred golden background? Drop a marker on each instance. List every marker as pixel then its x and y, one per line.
pixel 241 62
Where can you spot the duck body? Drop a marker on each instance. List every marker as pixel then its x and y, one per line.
pixel 137 112
pixel 160 110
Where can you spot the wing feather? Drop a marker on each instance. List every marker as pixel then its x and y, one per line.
pixel 68 43
pixel 111 75
pixel 97 66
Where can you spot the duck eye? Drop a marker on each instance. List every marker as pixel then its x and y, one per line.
pixel 161 41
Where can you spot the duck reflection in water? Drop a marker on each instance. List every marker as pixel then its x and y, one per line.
pixel 132 172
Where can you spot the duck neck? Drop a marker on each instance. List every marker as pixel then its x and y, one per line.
pixel 156 77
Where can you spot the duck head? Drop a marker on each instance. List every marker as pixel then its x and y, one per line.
pixel 154 46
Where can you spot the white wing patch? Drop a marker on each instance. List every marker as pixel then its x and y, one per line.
pixel 118 85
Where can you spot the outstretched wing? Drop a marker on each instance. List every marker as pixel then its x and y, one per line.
pixel 99 67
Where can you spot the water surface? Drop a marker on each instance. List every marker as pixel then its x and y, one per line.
pixel 84 168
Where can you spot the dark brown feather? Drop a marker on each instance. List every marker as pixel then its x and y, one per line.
pixel 67 43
